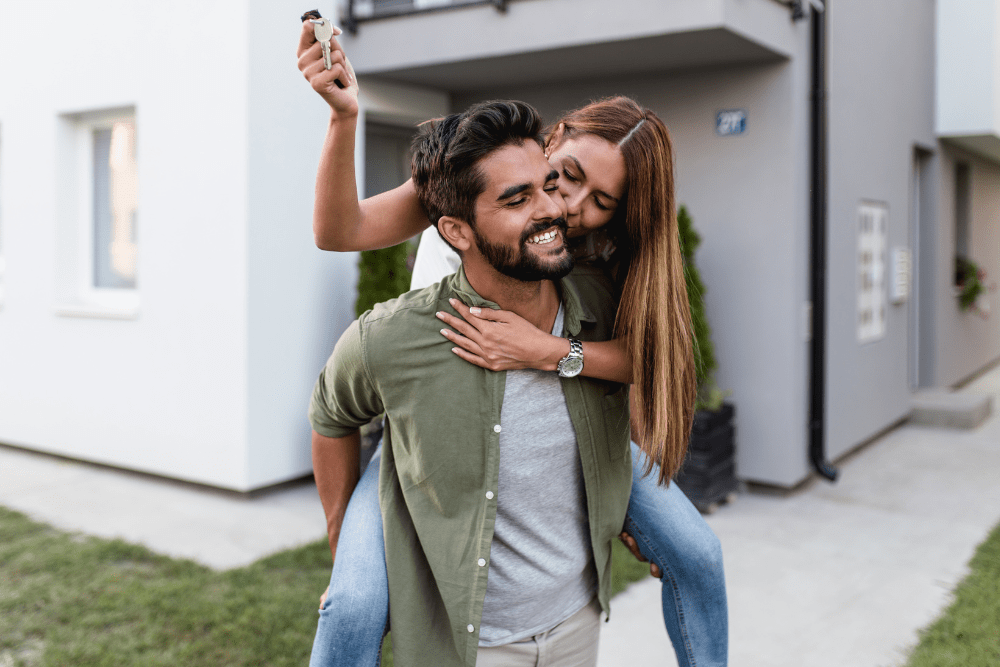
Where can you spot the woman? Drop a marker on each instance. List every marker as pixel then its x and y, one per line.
pixel 615 164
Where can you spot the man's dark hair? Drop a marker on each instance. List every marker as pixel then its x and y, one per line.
pixel 446 154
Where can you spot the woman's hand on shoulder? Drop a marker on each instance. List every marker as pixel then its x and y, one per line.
pixel 343 99
pixel 499 340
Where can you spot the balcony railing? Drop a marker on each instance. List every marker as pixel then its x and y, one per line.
pixel 362 11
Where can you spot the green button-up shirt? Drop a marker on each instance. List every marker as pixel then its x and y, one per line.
pixel 438 480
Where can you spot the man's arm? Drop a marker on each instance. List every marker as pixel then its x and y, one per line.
pixel 336 467
pixel 343 400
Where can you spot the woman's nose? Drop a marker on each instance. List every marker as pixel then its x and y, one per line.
pixel 574 203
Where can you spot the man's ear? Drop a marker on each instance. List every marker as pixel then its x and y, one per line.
pixel 456 232
pixel 555 139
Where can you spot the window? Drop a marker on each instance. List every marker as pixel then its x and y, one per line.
pixel 99 217
pixel 115 191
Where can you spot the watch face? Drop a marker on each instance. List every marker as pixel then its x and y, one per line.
pixel 571 367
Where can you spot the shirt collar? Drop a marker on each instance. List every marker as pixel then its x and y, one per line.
pixel 577 310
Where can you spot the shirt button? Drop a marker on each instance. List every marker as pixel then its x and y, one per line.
pixel 489 495
pixel 470 628
pixel 496 429
pixel 482 562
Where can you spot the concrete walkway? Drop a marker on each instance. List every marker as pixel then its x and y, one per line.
pixel 845 574
pixel 840 574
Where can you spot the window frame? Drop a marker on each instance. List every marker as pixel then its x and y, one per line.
pixel 80 296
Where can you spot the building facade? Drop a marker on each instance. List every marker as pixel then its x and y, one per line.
pixel 200 367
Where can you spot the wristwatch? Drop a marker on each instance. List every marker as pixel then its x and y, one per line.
pixel 571 365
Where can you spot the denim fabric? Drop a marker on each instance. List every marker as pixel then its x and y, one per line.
pixel 354 618
pixel 666 526
pixel 672 533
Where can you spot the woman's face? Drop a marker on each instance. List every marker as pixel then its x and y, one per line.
pixel 591 180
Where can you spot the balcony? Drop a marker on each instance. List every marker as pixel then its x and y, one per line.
pixel 968 75
pixel 482 43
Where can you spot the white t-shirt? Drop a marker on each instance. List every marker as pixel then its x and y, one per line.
pixel 435 260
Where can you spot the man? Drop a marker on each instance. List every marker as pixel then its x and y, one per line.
pixel 500 492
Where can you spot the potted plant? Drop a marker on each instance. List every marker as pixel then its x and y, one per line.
pixel 970 285
pixel 708 475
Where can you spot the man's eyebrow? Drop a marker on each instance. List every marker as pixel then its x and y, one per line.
pixel 518 189
pixel 583 174
pixel 513 190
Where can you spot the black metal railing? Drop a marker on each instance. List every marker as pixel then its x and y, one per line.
pixel 388 9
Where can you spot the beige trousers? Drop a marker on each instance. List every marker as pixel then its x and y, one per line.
pixel 572 643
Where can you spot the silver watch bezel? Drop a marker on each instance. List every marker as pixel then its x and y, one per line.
pixel 572 364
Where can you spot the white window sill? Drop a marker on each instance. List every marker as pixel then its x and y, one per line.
pixel 99 311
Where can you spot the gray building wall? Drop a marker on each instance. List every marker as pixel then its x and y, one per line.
pixel 749 197
pixel 881 108
pixel 962 342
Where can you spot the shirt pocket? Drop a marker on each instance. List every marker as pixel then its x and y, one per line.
pixel 616 423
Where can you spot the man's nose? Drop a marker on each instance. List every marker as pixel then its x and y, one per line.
pixel 554 207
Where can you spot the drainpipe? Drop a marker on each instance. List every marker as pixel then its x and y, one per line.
pixel 817 250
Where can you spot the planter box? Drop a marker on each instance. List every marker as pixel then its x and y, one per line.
pixel 708 476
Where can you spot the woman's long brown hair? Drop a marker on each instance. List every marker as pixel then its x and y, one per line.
pixel 654 319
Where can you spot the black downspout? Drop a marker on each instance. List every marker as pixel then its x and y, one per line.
pixel 818 209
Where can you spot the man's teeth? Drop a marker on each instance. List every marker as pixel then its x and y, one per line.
pixel 543 238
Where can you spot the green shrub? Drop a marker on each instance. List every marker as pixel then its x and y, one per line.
pixel 382 275
pixel 710 397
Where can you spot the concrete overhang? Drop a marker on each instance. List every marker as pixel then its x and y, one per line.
pixel 967 77
pixel 985 144
pixel 537 41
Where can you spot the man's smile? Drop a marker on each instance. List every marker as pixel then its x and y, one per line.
pixel 545 237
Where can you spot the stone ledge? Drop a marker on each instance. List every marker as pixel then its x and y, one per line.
pixel 944 408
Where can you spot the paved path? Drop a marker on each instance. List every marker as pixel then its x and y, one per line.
pixel 845 574
pixel 840 574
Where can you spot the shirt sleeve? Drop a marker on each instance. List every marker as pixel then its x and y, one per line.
pixel 344 397
pixel 434 260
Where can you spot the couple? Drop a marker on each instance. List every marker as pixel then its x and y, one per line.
pixel 499 493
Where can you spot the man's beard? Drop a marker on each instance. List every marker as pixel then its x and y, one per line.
pixel 522 265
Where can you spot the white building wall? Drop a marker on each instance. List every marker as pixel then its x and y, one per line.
pixel 300 298
pixel 164 390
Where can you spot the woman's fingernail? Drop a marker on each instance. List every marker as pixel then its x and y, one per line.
pixel 453 301
pixel 439 315
pixel 475 311
pixel 445 332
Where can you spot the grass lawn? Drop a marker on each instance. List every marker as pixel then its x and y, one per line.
pixel 66 599
pixel 968 633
